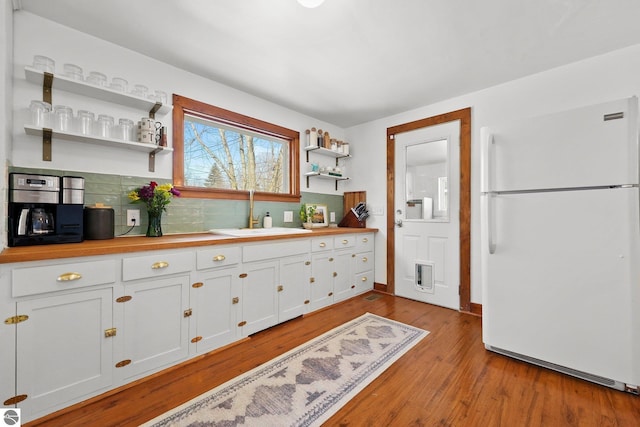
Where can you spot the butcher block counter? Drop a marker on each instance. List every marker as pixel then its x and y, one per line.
pixel 127 244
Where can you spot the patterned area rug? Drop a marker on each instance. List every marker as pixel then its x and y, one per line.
pixel 306 385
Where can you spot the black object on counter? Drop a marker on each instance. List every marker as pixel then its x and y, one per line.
pixel 99 222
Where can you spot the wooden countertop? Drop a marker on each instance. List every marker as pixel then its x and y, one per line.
pixel 127 244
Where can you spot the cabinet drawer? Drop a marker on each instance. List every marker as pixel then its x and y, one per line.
pixel 157 264
pixel 217 257
pixel 364 261
pixel 279 249
pixel 364 242
pixel 364 279
pixel 344 241
pixel 62 277
pixel 321 244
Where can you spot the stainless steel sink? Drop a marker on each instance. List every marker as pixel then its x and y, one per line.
pixel 247 232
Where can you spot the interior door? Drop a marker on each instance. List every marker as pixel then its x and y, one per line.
pixel 427 260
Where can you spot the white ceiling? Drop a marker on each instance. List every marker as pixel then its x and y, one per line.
pixel 351 61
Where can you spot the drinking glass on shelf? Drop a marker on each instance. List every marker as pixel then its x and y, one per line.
pixel 73 71
pixel 43 63
pixel 140 90
pixel 119 84
pixel 62 118
pixel 97 78
pixel 40 114
pixel 85 122
pixel 126 129
pixel 104 126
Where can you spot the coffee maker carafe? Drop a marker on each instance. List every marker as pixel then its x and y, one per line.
pixel 38 213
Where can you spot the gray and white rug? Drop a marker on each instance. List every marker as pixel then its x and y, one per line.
pixel 305 386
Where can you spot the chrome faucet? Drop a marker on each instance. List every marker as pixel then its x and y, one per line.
pixel 252 221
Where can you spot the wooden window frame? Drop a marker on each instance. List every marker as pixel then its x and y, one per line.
pixel 182 105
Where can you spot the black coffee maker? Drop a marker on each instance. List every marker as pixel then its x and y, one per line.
pixel 41 213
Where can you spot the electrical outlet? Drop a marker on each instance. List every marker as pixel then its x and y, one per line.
pixel 332 217
pixel 288 216
pixel 133 217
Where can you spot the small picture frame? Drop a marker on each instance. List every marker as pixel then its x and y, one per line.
pixel 320 216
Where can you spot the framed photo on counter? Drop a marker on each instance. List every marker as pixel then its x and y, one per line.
pixel 320 217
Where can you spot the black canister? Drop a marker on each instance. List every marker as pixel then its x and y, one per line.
pixel 98 222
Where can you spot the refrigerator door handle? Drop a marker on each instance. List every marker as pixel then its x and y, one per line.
pixel 487 163
pixel 490 218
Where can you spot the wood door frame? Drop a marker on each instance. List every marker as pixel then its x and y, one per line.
pixel 464 116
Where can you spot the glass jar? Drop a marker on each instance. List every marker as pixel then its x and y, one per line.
pixel 140 90
pixel 104 126
pixel 126 129
pixel 73 71
pixel 62 118
pixel 85 122
pixel 97 78
pixel 44 63
pixel 40 114
pixel 119 84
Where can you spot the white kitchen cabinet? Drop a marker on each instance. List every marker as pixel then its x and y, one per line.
pixel 155 327
pixel 294 290
pixel 64 349
pixel 332 270
pixel 7 342
pixel 363 263
pixel 343 256
pixel 155 332
pixel 78 328
pixel 215 299
pixel 259 281
pixel 61 317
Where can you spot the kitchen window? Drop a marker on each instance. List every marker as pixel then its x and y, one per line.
pixel 223 154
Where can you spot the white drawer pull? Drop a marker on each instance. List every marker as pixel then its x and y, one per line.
pixel 365 240
pixel 323 244
pixel 219 258
pixel 68 277
pixel 364 279
pixel 364 259
pixel 160 264
pixel 344 242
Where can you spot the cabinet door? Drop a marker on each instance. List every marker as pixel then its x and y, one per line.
pixel 259 296
pixel 215 302
pixel 322 271
pixel 343 286
pixel 63 354
pixel 293 291
pixel 155 331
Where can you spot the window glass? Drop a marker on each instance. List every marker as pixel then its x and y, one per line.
pixel 223 154
pixel 225 157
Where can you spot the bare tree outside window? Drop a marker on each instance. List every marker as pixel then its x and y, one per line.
pixel 219 153
pixel 216 156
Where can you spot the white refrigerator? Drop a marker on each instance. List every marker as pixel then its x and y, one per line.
pixel 561 242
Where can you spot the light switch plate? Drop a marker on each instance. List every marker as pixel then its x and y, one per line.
pixel 332 217
pixel 288 216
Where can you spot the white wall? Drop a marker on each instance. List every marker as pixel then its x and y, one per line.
pixel 6 97
pixel 34 35
pixel 607 77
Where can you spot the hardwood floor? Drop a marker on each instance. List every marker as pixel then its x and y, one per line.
pixel 448 379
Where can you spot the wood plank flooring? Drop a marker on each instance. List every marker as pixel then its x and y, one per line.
pixel 448 379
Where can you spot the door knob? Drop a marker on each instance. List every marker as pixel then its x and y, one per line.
pixel 399 222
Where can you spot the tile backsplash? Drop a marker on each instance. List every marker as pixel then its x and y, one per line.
pixel 184 215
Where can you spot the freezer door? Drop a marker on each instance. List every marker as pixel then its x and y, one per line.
pixel 562 282
pixel 590 146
